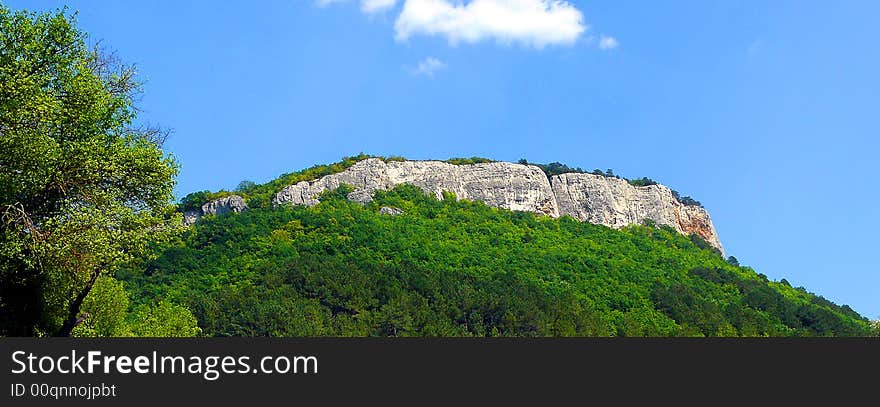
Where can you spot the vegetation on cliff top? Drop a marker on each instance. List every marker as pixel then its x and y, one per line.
pixel 260 195
pixel 557 168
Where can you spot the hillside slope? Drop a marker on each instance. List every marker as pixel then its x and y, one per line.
pixel 407 264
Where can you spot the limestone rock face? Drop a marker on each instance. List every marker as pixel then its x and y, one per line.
pixel 614 202
pixel 592 198
pixel 220 206
pixel 231 203
pixel 504 185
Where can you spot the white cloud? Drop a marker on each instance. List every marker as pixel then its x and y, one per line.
pixel 608 43
pixel 428 66
pixel 376 6
pixel 536 23
pixel 530 22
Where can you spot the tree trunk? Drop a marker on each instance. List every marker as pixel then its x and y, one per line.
pixel 73 318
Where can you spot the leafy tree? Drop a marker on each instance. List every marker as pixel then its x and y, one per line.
pixel 245 186
pixel 642 182
pixel 703 244
pixel 104 310
pixel 164 320
pixel 82 188
pixel 194 200
pixel 554 168
pixel 685 200
pixel 467 161
pixel 732 261
pixel 260 195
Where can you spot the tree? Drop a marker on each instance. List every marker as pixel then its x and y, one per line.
pixel 245 186
pixel 642 182
pixel 106 307
pixel 164 320
pixel 194 200
pixel 83 189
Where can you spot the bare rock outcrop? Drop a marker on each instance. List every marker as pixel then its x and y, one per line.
pixel 592 198
pixel 219 206
pixel 504 185
pixel 390 211
pixel 614 202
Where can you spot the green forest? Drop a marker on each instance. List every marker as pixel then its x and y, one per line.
pixel 461 268
pixel 92 241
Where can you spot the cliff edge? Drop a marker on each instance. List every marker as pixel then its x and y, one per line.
pixel 598 199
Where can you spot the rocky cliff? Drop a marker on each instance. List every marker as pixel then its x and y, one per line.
pixel 614 202
pixel 504 185
pixel 586 197
pixel 232 203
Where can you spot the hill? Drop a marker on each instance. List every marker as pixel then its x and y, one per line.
pixel 407 264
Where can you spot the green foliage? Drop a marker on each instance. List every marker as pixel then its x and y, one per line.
pixel 818 317
pixel 554 168
pixel 461 268
pixel 245 186
pixel 194 200
pixel 686 200
pixel 164 320
pixel 104 310
pixel 260 195
pixel 468 161
pixel 642 182
pixel 82 188
pixel 703 244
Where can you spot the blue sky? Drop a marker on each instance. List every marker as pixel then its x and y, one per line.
pixel 767 112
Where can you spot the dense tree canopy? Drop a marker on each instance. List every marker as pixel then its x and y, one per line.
pixel 82 188
pixel 460 268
